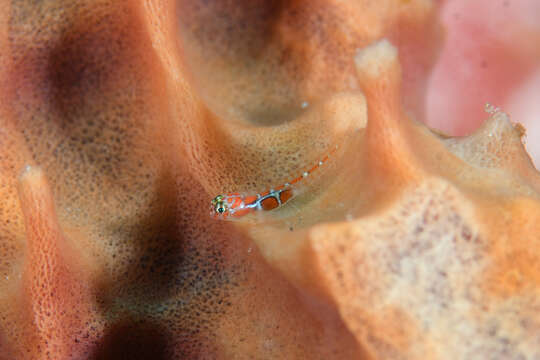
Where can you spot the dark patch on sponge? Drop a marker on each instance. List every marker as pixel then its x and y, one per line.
pixel 133 340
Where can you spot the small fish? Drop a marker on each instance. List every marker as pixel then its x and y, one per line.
pixel 235 205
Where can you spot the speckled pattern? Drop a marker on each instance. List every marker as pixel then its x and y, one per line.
pixel 120 120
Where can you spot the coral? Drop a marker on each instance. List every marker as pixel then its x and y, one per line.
pixel 119 121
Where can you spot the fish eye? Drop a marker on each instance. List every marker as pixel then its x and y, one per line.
pixel 220 208
pixel 218 205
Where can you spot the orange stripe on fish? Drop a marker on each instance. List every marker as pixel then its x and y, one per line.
pixel 235 205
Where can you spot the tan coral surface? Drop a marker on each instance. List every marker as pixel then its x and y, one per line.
pixel 119 121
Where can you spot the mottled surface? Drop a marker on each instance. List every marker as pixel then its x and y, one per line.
pixel 120 120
